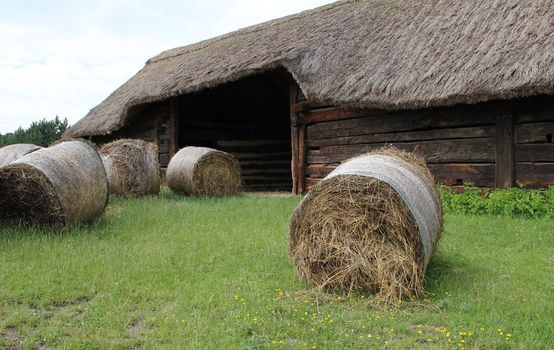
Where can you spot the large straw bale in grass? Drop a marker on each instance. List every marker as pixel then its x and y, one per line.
pixel 13 152
pixel 202 171
pixel 370 225
pixel 132 167
pixel 61 185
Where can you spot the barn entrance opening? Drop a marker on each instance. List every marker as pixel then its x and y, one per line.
pixel 249 118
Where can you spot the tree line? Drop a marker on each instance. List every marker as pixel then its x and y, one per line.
pixel 41 133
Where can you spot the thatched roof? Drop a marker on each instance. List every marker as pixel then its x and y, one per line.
pixel 376 53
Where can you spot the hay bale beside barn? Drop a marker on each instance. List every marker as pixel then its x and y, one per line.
pixel 13 152
pixel 371 225
pixel 203 171
pixel 132 167
pixel 58 186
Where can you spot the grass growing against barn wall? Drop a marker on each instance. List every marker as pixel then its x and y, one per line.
pixel 516 202
pixel 173 272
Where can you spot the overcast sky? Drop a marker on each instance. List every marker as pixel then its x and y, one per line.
pixel 64 57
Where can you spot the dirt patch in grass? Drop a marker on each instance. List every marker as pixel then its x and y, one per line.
pixel 9 339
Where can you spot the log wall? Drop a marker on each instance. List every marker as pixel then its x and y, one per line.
pixel 533 146
pixel 150 123
pixel 491 144
pixel 284 142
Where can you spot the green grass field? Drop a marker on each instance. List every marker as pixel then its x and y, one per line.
pixel 173 272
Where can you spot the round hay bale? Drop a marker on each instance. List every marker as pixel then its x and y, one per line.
pixel 371 225
pixel 202 171
pixel 132 167
pixel 13 152
pixel 56 186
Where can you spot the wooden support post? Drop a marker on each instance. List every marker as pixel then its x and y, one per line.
pixel 505 166
pixel 294 135
pixel 301 154
pixel 298 144
pixel 173 126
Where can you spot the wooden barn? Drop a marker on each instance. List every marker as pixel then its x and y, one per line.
pixel 467 84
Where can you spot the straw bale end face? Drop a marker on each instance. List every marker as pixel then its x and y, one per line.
pixel 13 152
pixel 359 230
pixel 28 196
pixel 58 186
pixel 202 171
pixel 132 167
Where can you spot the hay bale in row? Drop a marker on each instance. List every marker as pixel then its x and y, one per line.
pixel 61 185
pixel 132 167
pixel 12 153
pixel 370 225
pixel 202 171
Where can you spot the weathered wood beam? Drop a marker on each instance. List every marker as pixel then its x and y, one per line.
pixel 394 123
pixel 408 136
pixel 301 157
pixel 476 150
pixel 534 132
pixel 531 174
pixel 173 126
pixel 305 106
pixel 294 136
pixel 534 152
pixel 505 169
pixel 447 174
pixel 334 114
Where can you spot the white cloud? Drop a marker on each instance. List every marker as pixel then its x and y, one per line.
pixel 63 58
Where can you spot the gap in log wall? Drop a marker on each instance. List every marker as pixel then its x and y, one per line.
pixel 248 118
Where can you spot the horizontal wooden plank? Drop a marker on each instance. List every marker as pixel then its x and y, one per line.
pixel 333 114
pixel 274 148
pixel 190 136
pixel 404 121
pixel 186 124
pixel 480 150
pixel 407 136
pixel 253 142
pixel 481 175
pixel 261 164
pixel 534 132
pixel 146 133
pixel 268 178
pixel 535 174
pixel 319 170
pixel 163 147
pixel 304 106
pixel 269 188
pixel 541 153
pixel 262 156
pixel 449 174
pixel 272 172
pixel 273 186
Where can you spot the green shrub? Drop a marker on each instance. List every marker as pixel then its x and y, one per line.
pixel 529 203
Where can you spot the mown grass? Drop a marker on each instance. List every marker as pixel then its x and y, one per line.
pixel 173 272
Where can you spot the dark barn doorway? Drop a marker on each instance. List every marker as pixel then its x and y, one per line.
pixel 249 118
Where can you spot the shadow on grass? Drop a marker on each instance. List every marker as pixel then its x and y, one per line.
pixel 449 273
